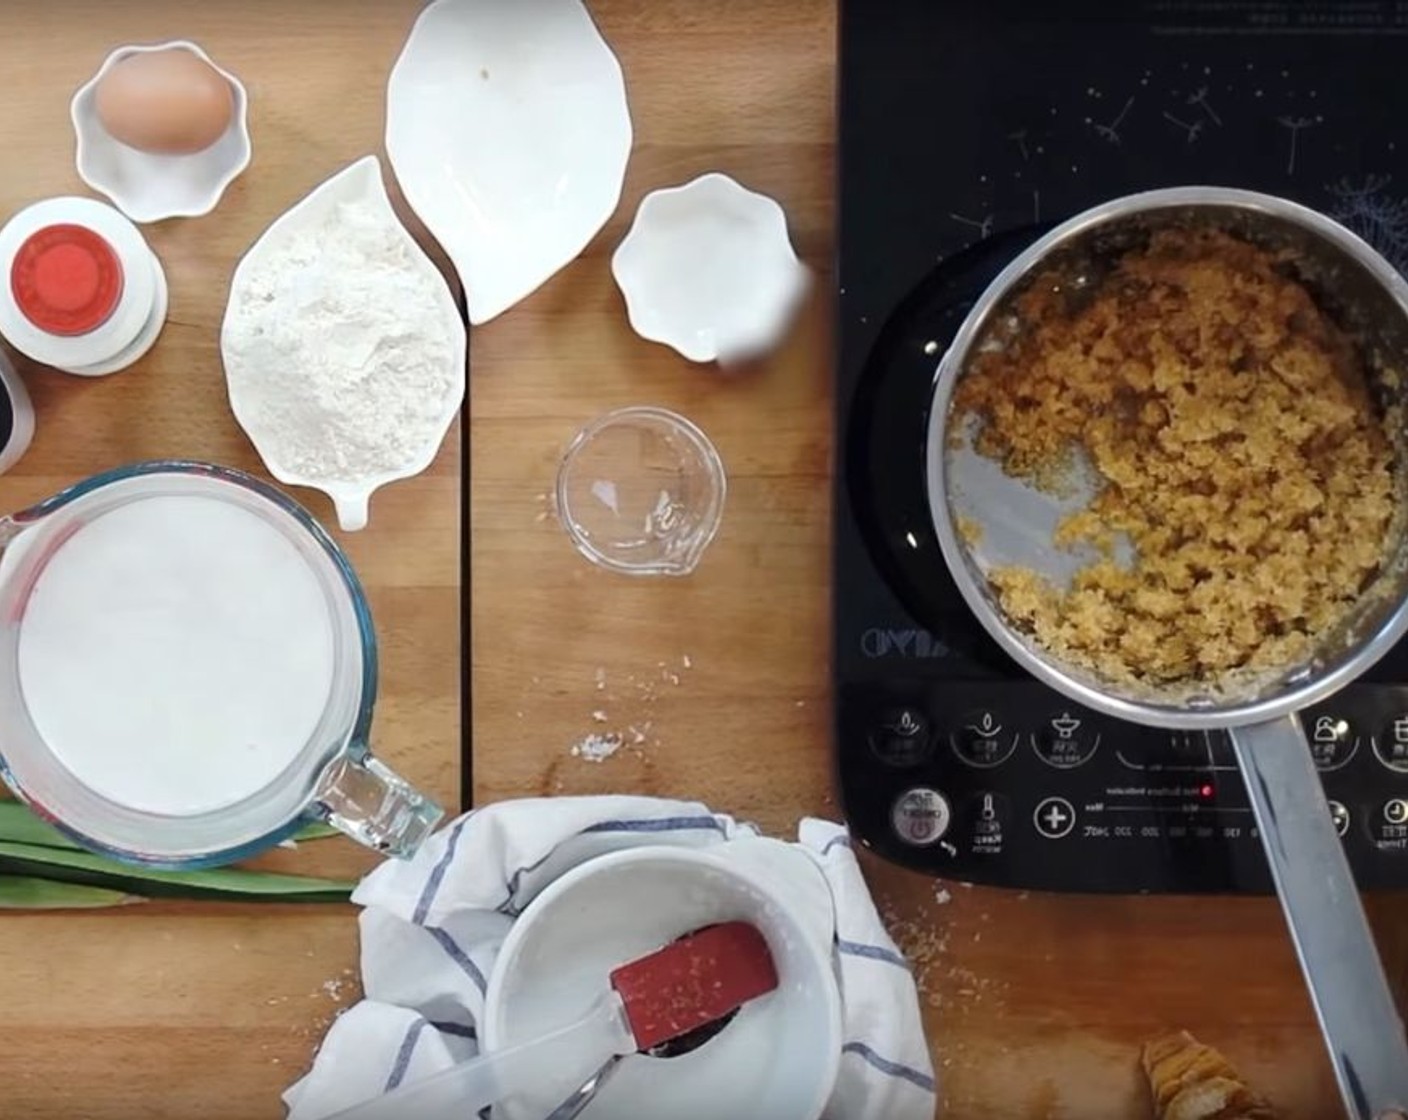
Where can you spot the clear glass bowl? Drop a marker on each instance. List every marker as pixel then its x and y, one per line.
pixel 641 490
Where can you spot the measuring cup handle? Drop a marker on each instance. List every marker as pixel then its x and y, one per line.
pixel 1331 935
pixel 376 806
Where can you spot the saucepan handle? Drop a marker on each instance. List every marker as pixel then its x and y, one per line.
pixel 1361 1025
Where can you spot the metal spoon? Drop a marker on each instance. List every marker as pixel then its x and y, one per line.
pixel 572 1107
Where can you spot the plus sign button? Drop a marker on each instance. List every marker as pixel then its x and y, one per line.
pixel 1054 818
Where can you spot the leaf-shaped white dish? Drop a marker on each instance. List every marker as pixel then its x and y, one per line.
pixel 251 372
pixel 507 127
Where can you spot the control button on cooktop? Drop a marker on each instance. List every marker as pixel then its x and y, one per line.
pixel 1189 751
pixel 902 737
pixel 1391 746
pixel 989 812
pixel 1152 749
pixel 1340 815
pixel 1332 741
pixel 982 740
pixel 921 816
pixel 1054 818
pixel 1389 828
pixel 1066 740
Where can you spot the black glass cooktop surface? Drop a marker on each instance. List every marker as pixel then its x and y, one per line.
pixel 966 131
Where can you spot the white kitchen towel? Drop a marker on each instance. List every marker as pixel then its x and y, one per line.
pixel 432 926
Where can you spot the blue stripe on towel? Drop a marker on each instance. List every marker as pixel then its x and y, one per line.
pixel 403 1055
pixel 459 956
pixel 432 885
pixel 506 906
pixel 459 1030
pixel 658 824
pixel 835 842
pixel 887 1067
pixel 871 952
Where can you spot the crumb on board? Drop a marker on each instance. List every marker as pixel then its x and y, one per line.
pixel 934 945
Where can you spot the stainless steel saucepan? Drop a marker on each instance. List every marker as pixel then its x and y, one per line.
pixel 1361 1025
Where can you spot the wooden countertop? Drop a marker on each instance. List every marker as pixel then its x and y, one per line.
pixel 1035 1004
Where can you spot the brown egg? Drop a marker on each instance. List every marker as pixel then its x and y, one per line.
pixel 169 101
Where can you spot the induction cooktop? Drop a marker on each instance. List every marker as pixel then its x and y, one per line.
pixel 966 131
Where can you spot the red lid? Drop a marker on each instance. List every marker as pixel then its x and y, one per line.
pixel 66 279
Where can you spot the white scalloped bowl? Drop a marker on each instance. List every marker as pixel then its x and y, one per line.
pixel 359 181
pixel 708 269
pixel 146 186
pixel 507 127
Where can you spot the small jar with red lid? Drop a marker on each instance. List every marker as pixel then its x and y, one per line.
pixel 80 289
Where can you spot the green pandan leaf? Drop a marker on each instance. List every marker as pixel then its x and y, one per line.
pixel 19 824
pixel 20 892
pixel 76 866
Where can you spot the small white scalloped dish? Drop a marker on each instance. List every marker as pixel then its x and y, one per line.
pixel 508 131
pixel 708 269
pixel 359 181
pixel 150 187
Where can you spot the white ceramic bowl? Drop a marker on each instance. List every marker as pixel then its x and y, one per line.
pixel 708 269
pixel 148 187
pixel 777 1058
pixel 507 127
pixel 360 181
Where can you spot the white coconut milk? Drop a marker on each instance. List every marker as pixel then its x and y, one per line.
pixel 176 654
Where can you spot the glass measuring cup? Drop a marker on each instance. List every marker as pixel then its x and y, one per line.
pixel 325 772
pixel 641 491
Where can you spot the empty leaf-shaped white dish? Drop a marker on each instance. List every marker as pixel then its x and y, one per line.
pixel 291 421
pixel 708 269
pixel 147 186
pixel 507 127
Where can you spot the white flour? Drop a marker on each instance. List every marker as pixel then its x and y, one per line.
pixel 596 748
pixel 176 654
pixel 339 351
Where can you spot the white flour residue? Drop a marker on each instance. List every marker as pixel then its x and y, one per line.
pixel 596 748
pixel 339 351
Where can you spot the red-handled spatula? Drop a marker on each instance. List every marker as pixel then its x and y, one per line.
pixel 688 984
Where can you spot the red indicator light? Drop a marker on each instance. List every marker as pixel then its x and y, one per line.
pixel 1205 792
